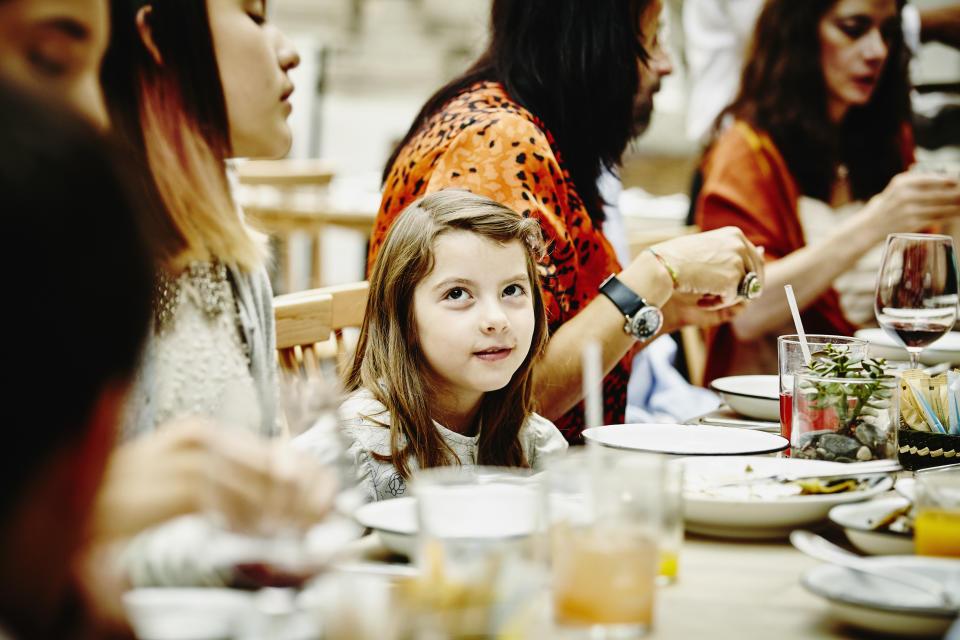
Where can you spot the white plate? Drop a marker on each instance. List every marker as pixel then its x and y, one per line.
pixel 759 510
pixel 907 487
pixel 686 439
pixel 186 614
pixel 859 519
pixel 395 521
pixel 885 606
pixel 751 396
pixel 498 515
pixel 946 349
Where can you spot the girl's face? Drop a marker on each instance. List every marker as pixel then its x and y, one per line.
pixel 855 38
pixel 56 47
pixel 254 59
pixel 474 316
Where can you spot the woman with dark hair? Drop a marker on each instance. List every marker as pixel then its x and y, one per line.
pixel 189 85
pixel 73 222
pixel 560 91
pixel 820 126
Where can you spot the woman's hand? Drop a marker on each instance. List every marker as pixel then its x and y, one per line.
pixel 709 267
pixel 912 201
pixel 191 465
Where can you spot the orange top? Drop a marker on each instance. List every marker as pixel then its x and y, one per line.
pixel 747 184
pixel 484 142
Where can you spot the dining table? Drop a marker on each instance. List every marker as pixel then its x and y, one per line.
pixel 725 589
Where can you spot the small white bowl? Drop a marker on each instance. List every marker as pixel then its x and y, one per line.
pixel 858 520
pixel 395 521
pixel 751 396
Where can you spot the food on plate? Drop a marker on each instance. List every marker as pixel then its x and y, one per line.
pixel 896 521
pixel 743 485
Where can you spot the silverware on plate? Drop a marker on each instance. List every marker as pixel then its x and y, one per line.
pixel 822 549
pixel 859 470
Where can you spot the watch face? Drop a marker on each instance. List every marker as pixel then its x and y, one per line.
pixel 645 323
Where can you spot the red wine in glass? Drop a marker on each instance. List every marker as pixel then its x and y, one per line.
pixel 916 296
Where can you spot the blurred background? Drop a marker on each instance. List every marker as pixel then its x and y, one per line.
pixel 367 67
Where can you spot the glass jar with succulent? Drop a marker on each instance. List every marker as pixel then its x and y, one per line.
pixel 844 410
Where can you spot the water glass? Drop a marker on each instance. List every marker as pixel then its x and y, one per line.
pixel 790 360
pixel 605 510
pixel 937 525
pixel 480 555
pixel 844 419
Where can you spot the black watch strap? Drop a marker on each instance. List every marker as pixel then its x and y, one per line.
pixel 622 296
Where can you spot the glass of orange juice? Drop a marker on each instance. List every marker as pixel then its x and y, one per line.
pixel 937 525
pixel 605 509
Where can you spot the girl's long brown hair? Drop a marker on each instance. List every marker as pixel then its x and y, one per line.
pixel 389 360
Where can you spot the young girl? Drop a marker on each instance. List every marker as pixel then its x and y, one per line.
pixel 454 323
pixel 187 86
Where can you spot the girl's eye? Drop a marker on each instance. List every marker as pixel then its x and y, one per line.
pixel 257 18
pixel 514 290
pixel 456 294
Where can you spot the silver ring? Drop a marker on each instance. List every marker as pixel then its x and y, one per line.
pixel 750 287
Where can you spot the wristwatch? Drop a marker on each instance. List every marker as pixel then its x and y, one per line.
pixel 643 320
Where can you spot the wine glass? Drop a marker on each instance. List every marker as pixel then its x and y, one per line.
pixel 916 299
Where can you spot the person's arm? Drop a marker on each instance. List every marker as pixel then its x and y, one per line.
pixel 941 24
pixel 558 384
pixel 708 266
pixel 745 186
pixel 191 465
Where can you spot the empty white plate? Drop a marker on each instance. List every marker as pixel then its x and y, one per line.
pixel 686 439
pixel 395 521
pixel 885 606
pixel 858 522
pixel 751 396
pixel 946 349
pixel 760 509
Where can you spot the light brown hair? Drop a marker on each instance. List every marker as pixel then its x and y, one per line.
pixel 389 361
pixel 173 115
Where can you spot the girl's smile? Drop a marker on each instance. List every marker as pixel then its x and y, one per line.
pixel 474 318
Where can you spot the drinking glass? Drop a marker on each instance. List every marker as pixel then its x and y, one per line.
pixel 916 297
pixel 790 360
pixel 671 536
pixel 308 468
pixel 605 509
pixel 937 525
pixel 479 556
pixel 844 419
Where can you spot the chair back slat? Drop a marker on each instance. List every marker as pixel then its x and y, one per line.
pixel 310 326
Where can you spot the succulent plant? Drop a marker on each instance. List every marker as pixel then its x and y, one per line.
pixel 862 406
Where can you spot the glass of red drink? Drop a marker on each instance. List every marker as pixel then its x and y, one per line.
pixel 790 359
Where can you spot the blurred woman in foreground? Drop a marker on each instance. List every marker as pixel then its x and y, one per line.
pixel 55 48
pixel 810 165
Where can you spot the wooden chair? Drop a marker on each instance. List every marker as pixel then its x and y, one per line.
pixel 310 326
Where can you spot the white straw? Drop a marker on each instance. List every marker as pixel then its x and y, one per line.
pixel 592 384
pixel 792 301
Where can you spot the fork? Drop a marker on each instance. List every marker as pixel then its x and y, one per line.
pixel 861 469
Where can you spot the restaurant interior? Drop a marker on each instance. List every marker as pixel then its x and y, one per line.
pixel 511 319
